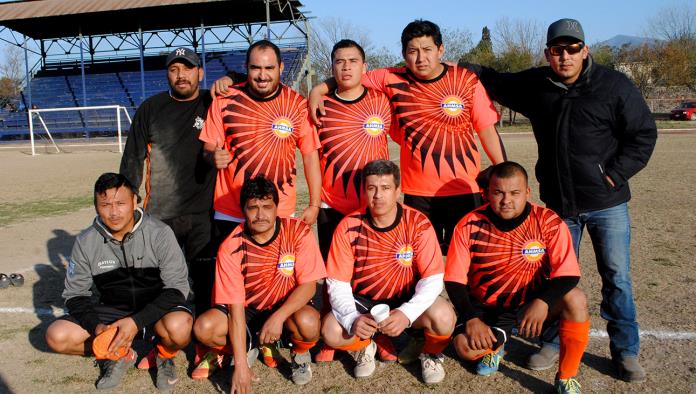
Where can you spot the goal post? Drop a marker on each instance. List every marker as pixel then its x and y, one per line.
pixel 36 120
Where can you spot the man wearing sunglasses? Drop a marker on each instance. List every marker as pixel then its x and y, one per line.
pixel 594 132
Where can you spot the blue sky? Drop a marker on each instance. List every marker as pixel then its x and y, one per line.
pixel 384 19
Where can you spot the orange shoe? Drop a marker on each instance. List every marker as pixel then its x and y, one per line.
pixel 325 355
pixel 385 349
pixel 101 343
pixel 148 361
pixel 271 356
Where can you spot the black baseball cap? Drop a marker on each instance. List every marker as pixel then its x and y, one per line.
pixel 184 54
pixel 565 27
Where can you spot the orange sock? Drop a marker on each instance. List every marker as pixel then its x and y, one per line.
pixel 574 337
pixel 227 349
pixel 435 344
pixel 357 344
pixel 300 347
pixel 163 352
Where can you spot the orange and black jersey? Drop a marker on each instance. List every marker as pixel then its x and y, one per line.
pixel 437 119
pixel 507 266
pixel 353 134
pixel 384 263
pixel 262 275
pixel 262 136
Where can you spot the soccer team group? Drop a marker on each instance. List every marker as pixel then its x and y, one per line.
pixel 219 214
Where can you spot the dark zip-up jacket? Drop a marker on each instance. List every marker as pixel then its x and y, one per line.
pixel 598 126
pixel 144 274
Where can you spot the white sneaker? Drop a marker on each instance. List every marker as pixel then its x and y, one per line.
pixel 432 367
pixel 365 361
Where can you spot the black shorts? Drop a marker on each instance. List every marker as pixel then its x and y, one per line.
pixel 507 319
pixel 364 304
pixel 193 233
pixel 108 314
pixel 444 212
pixel 327 221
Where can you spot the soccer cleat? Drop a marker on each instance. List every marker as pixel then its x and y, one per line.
pixel 301 368
pixel 200 351
pixel 544 358
pixel 209 363
pixel 630 370
pixel 385 349
pixel 365 361
pixel 325 355
pixel 490 363
pixel 166 374
pixel 432 367
pixel 567 386
pixel 270 355
pixel 113 370
pixel 413 349
pixel 148 361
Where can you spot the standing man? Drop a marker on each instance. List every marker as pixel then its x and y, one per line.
pixel 135 264
pixel 594 132
pixel 255 129
pixel 511 268
pixel 267 271
pixel 386 253
pixel 178 181
pixel 437 108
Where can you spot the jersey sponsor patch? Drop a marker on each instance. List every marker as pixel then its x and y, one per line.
pixel 405 256
pixel 374 126
pixel 533 251
pixel 286 265
pixel 452 106
pixel 282 127
pixel 107 264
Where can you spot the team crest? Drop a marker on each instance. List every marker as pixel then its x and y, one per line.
pixel 405 256
pixel 198 123
pixel 533 251
pixel 286 265
pixel 452 106
pixel 282 127
pixel 374 126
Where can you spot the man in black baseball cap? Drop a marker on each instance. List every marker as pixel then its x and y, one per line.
pixel 566 27
pixel 184 54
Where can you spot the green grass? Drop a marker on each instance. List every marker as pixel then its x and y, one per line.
pixel 15 212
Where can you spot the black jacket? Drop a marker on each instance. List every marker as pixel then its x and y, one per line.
pixel 598 126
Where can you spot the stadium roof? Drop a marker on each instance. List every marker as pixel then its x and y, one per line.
pixel 40 19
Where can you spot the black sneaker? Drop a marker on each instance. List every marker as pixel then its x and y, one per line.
pixel 166 374
pixel 113 371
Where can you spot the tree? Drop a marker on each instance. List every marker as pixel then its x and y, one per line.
pixel 640 64
pixel 604 55
pixel 11 73
pixel 523 38
pixel 482 53
pixel 457 43
pixel 674 22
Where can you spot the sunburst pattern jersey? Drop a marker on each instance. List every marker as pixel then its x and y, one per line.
pixel 508 268
pixel 353 134
pixel 262 136
pixel 437 120
pixel 384 263
pixel 261 275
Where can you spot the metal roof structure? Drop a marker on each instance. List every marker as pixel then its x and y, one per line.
pixel 44 19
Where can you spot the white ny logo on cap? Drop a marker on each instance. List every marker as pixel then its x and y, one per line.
pixel 572 25
pixel 181 52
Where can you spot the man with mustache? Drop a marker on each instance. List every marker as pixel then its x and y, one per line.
pixel 267 271
pixel 179 182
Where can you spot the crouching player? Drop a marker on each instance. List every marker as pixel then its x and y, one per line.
pixel 266 275
pixel 511 268
pixel 386 253
pixel 135 263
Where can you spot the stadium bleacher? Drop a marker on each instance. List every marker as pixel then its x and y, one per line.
pixel 59 85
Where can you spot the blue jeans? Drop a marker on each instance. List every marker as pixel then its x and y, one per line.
pixel 610 232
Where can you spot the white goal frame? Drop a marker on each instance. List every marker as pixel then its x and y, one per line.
pixel 37 112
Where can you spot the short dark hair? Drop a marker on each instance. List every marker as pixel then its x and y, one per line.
pixel 346 43
pixel 381 167
pixel 508 169
pixel 111 180
pixel 420 28
pixel 258 187
pixel 263 44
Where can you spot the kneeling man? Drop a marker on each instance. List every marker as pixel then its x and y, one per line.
pixel 511 269
pixel 386 253
pixel 135 263
pixel 267 272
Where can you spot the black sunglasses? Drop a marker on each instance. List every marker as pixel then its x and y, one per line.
pixel 572 49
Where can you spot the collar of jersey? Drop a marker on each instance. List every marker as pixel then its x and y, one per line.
pixel 506 225
pixel 261 100
pixel 397 220
pixel 335 96
pixel 247 234
pixel 439 77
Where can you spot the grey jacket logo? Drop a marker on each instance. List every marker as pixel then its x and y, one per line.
pixel 106 264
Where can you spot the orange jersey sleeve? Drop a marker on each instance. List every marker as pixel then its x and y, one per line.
pixel 484 113
pixel 309 266
pixel 340 262
pixel 229 279
pixel 458 257
pixel 562 256
pixel 213 130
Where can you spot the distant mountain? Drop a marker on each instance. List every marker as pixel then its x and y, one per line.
pixel 620 40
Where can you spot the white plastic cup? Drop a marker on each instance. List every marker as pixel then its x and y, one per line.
pixel 380 312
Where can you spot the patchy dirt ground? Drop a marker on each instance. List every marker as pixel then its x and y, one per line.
pixel 664 275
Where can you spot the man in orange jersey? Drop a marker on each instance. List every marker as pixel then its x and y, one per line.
pixel 254 129
pixel 511 269
pixel 355 132
pixel 266 275
pixel 386 253
pixel 437 107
